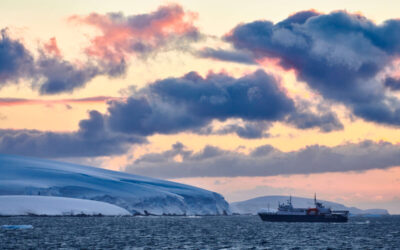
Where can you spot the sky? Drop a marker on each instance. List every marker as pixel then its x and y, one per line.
pixel 245 98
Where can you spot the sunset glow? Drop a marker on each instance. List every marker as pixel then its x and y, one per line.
pixel 242 98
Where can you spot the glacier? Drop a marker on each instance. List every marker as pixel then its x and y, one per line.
pixel 21 175
pixel 11 205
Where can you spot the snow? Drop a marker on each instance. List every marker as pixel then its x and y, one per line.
pixel 253 206
pixel 48 205
pixel 137 194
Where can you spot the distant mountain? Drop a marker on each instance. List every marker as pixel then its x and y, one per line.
pixel 137 194
pixel 252 206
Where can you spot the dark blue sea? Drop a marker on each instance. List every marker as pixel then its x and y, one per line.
pixel 210 232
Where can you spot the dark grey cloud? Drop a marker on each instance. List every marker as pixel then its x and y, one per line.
pixel 49 73
pixel 340 55
pixel 269 161
pixel 263 150
pixel 55 75
pixel 142 116
pixel 247 129
pixel 392 83
pixel 226 55
pixel 255 96
pixel 191 103
pixel 60 76
pixel 177 149
pixel 92 139
pixel 16 62
pixel 326 122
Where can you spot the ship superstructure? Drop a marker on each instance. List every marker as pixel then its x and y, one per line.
pixel 319 213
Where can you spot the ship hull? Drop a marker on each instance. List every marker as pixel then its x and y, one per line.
pixel 302 218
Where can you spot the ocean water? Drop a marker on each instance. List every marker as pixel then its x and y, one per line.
pixel 210 232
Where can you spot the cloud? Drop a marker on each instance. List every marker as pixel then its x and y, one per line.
pixel 170 26
pixel 51 47
pixel 243 129
pixel 23 101
pixel 50 73
pixel 92 139
pixel 167 28
pixel 226 55
pixel 340 55
pixel 326 122
pixel 61 76
pixel 249 130
pixel 191 102
pixel 392 83
pixel 16 62
pixel 269 161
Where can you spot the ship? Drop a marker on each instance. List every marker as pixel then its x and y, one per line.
pixel 319 213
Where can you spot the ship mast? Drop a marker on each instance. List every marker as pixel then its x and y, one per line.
pixel 315 198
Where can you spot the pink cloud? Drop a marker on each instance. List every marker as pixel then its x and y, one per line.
pixel 51 47
pixel 138 34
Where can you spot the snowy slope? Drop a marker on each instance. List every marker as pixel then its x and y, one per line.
pixel 252 206
pixel 47 205
pixel 139 195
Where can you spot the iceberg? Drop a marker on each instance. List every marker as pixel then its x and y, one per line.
pixel 137 194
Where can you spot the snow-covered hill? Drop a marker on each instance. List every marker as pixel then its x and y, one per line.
pixel 252 206
pixel 47 205
pixel 137 194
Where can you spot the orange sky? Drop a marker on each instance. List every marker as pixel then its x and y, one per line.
pixel 350 188
pixel 39 22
